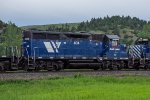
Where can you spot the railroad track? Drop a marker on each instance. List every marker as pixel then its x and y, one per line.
pixel 67 73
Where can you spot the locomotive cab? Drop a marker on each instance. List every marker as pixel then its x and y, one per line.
pixel 142 41
pixel 115 55
pixel 113 42
pixel 114 50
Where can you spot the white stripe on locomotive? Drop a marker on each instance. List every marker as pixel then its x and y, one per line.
pixel 54 46
pixel 135 51
pixel 48 47
pixel 58 44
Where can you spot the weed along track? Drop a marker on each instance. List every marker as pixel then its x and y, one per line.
pixel 68 73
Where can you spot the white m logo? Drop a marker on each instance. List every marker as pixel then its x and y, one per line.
pixel 52 46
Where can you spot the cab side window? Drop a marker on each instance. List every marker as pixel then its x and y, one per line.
pixel 114 43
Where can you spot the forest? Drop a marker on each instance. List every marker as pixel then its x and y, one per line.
pixel 10 36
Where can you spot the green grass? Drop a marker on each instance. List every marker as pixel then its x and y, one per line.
pixel 77 88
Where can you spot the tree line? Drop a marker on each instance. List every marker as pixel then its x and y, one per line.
pixel 104 24
pixel 112 23
pixel 10 37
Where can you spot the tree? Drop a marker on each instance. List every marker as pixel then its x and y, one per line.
pixel 12 36
pixel 116 31
pixel 2 24
pixel 112 23
pixel 143 34
pixel 146 28
pixel 124 31
pixel 146 31
pixel 73 29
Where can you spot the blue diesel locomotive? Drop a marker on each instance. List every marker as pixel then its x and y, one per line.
pixel 139 54
pixel 59 50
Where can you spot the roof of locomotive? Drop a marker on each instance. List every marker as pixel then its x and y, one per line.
pixel 51 32
pixel 94 36
pixel 142 39
pixel 113 36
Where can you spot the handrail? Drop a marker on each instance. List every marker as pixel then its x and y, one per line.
pixel 12 51
pixel 34 54
pixel 27 55
pixel 17 54
pixel 144 56
pixel 5 51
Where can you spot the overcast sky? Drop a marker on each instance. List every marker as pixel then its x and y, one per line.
pixel 32 12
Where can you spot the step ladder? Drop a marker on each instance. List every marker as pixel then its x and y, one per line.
pixel 31 64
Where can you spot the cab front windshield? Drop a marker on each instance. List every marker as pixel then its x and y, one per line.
pixel 114 43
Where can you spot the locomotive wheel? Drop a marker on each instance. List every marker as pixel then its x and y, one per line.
pixel 110 67
pixel 1 68
pixel 56 67
pixel 146 67
pixel 105 65
pixel 96 68
pixel 136 67
pixel 119 67
pixel 37 69
pixel 4 66
pixel 50 68
pixel 26 68
pixel 103 68
pixel 39 66
pixel 123 65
